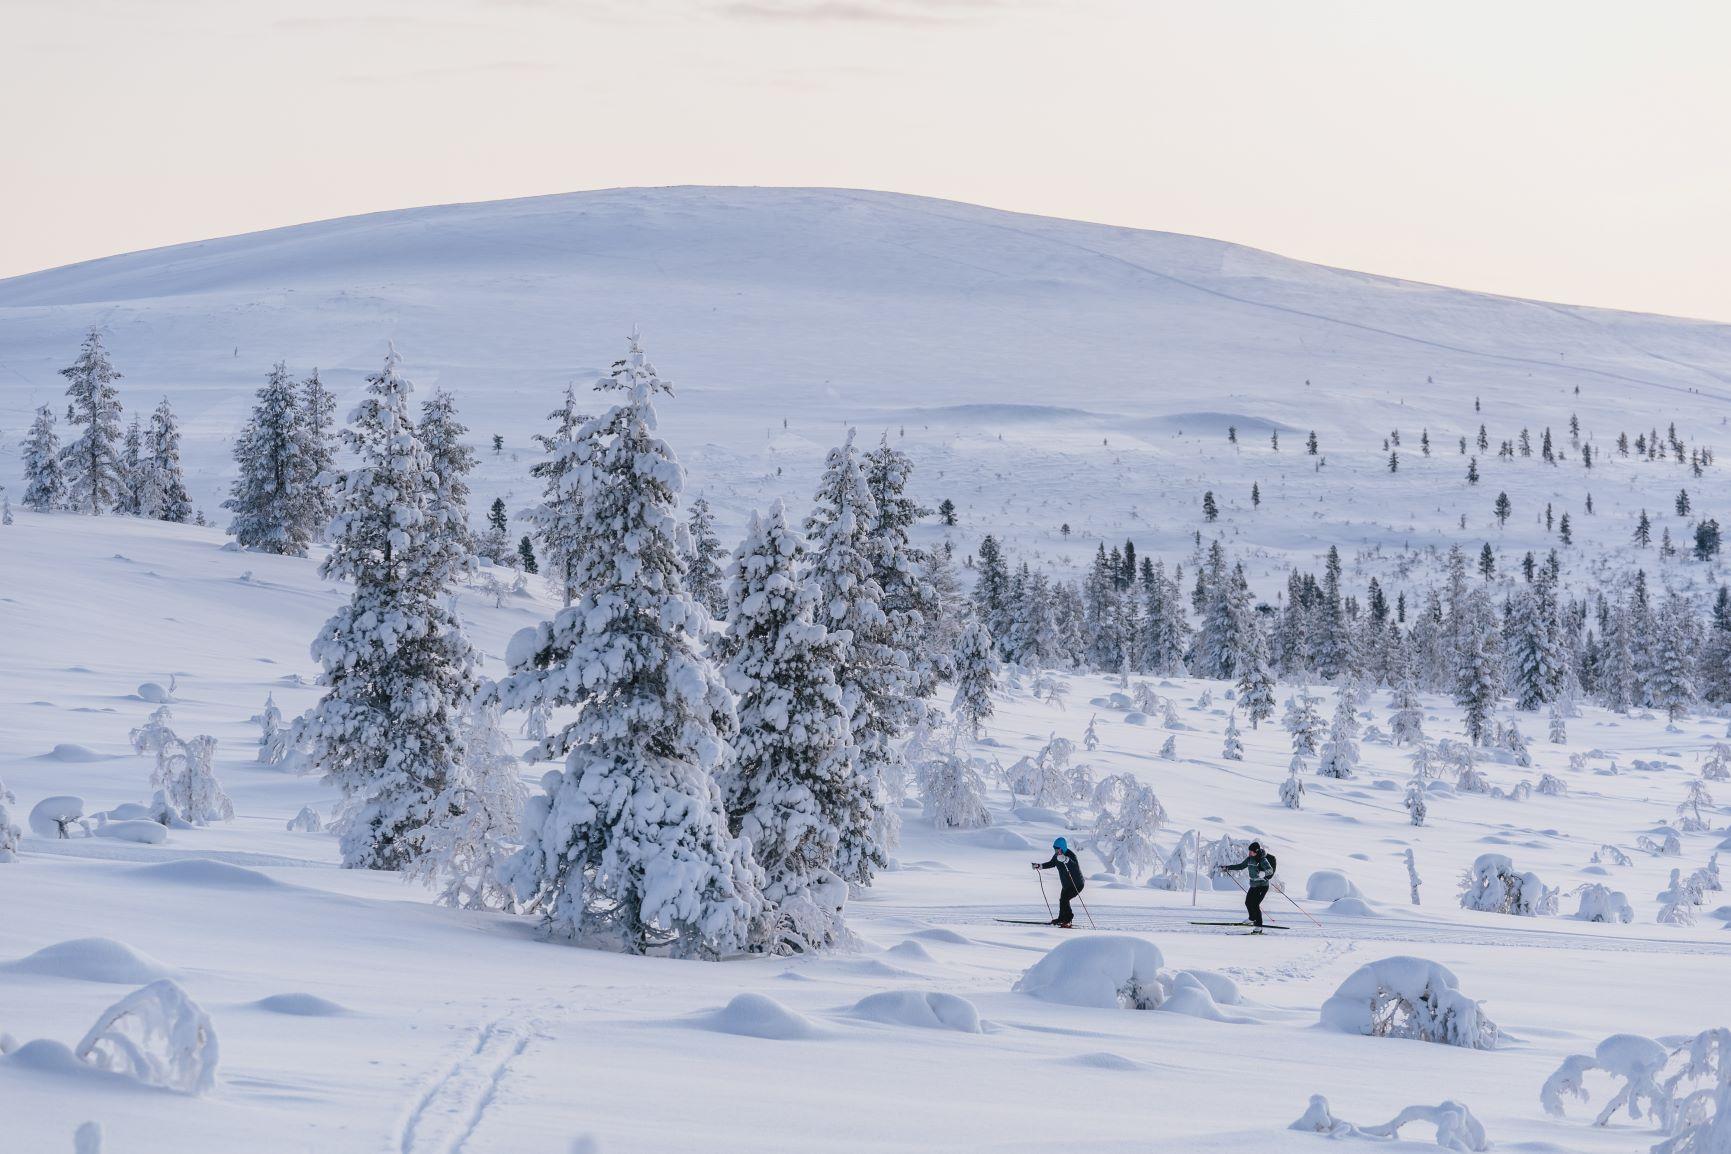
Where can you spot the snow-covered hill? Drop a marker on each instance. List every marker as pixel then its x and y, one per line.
pixel 354 1016
pixel 1042 372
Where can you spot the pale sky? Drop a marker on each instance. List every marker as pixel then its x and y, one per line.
pixel 1572 151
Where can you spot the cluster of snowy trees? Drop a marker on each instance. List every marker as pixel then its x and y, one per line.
pixel 104 469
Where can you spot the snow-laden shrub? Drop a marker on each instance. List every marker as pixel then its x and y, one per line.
pixel 270 725
pixel 1104 972
pixel 185 774
pixel 1689 817
pixel 1669 846
pixel 1551 785
pixel 1169 750
pixel 1638 1061
pixel 1685 1092
pixel 1717 767
pixel 1493 885
pixel 1472 780
pixel 306 821
pixel 1516 743
pixel 1233 750
pixel 9 833
pixel 1407 997
pixel 1677 902
pixel 87 1139
pixel 1329 885
pixel 463 854
pixel 54 817
pixel 1608 854
pixel 1091 736
pixel 1601 903
pixel 1130 819
pixel 1699 1093
pixel 1292 791
pixel 1456 1128
pixel 1417 808
pixel 1143 697
pixel 157 1035
pixel 951 790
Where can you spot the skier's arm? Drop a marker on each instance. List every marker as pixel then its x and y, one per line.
pixel 1047 864
pixel 1243 865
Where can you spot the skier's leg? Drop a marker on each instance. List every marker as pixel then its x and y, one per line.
pixel 1064 896
pixel 1253 903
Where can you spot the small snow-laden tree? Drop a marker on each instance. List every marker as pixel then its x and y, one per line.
pixel 1536 648
pixel 1292 789
pixel 1256 681
pixel 1677 901
pixel 1670 847
pixel 952 791
pixel 558 519
pixel 1670 683
pixel 1406 722
pixel 976 677
pixel 1425 763
pixel 1129 821
pixel 397 670
pixel 44 472
pixel 450 462
pixel 162 493
pixel 1550 785
pixel 306 821
pixel 1303 722
pixel 1610 855
pixel 707 563
pixel 1471 779
pixel 1417 808
pixel 1169 749
pixel 1559 728
pixel 1091 736
pixel 1516 743
pixel 1708 876
pixel 318 418
pixel 1478 673
pixel 1601 903
pixel 157 1035
pixel 464 851
pixel 627 846
pixel 1689 819
pixel 873 676
pixel 1407 997
pixel 1413 881
pixel 269 724
pixel 95 474
pixel 794 788
pixel 1698 1120
pixel 9 831
pixel 1637 1061
pixel 1456 1128
pixel 269 498
pixel 1340 751
pixel 535 722
pixel 1717 767
pixel 1493 885
pixel 187 776
pixel 1234 748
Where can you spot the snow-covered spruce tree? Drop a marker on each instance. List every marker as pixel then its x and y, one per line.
pixel 1255 680
pixel 1478 678
pixel 44 472
pixel 162 492
pixel 131 470
pixel 94 471
pixel 793 789
pixel 627 847
pixel 558 520
pixel 318 419
pixel 1559 731
pixel 186 775
pixel 1671 681
pixel 1091 735
pixel 9 831
pixel 706 574
pixel 952 792
pixel 910 604
pixel 1234 748
pixel 269 725
pixel 1340 751
pixel 1416 807
pixel 1406 722
pixel 463 853
pixel 441 434
pixel 1129 821
pixel 873 675
pixel 976 666
pixel 1536 644
pixel 1292 789
pixel 269 499
pixel 1303 722
pixel 398 672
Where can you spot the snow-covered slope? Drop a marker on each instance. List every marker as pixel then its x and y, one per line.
pixel 356 1017
pixel 1040 371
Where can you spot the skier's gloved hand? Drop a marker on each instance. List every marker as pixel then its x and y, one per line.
pixel 1036 864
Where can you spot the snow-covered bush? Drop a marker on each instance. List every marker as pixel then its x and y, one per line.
pixel 1456 1128
pixel 1559 731
pixel 1169 749
pixel 1412 878
pixel 306 821
pixel 1689 817
pixel 465 851
pixel 1493 885
pixel 157 1035
pixel 1091 736
pixel 1234 748
pixel 976 678
pixel 1144 698
pixel 1608 854
pixel 1472 780
pixel 1717 767
pixel 1699 1093
pixel 1677 902
pixel 1407 997
pixel 1303 722
pixel 1130 819
pixel 1292 790
pixel 1685 1092
pixel 951 789
pixel 1516 743
pixel 270 724
pixel 9 833
pixel 1340 752
pixel 185 774
pixel 1103 972
pixel 1550 785
pixel 54 817
pixel 1669 847
pixel 1416 806
pixel 1601 903
pixel 1636 1060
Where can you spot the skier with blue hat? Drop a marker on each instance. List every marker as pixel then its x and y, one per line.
pixel 1069 877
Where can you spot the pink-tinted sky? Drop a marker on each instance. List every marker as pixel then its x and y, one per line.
pixel 1576 151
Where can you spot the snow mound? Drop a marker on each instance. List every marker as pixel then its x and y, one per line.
pixel 1352 907
pixel 206 872
pixel 47 1056
pixel 155 694
pixel 1601 903
pixel 997 838
pixel 757 1016
pixel 142 832
pixel 930 1011
pixel 301 1006
pixel 91 960
pixel 1108 973
pixel 1039 815
pixel 73 753
pixel 948 937
pixel 1190 997
pixel 909 952
pixel 1408 997
pixel 53 817
pixel 1106 1060
pixel 1220 987
pixel 1329 885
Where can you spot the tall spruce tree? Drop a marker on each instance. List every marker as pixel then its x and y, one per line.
pixel 162 491
pixel 910 604
pixel 44 472
pixel 976 677
pixel 318 418
pixel 559 519
pixel 441 433
pixel 398 673
pixel 627 847
pixel 273 510
pixel 792 788
pixel 95 473
pixel 705 575
pixel 131 470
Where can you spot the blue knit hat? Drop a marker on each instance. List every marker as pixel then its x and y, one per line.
pixel 1060 843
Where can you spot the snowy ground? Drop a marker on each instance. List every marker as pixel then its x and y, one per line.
pixel 463 1032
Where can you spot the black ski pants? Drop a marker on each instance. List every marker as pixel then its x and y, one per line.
pixel 1253 903
pixel 1064 896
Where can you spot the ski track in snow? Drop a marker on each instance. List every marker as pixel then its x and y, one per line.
pixel 450 1108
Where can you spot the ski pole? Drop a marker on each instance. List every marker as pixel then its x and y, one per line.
pixel 1041 878
pixel 1281 890
pixel 1087 911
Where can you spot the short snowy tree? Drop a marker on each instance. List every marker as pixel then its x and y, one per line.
pixel 952 791
pixel 794 789
pixel 318 418
pixel 1303 722
pixel 558 520
pixel 156 1035
pixel 450 461
pixel 1169 749
pixel 627 846
pixel 1292 789
pixel 1406 722
pixel 162 493
pixel 270 724
pixel 1689 818
pixel 187 778
pixel 1091 736
pixel 1601 903
pixel 1416 807
pixel 44 472
pixel 1412 879
pixel 1559 734
pixel 1550 785
pixel 398 672
pixel 1678 900
pixel 1340 751
pixel 706 575
pixel 9 831
pixel 95 475
pixel 1234 748
pixel 1130 819
pixel 1717 767
pixel 976 678
pixel 1407 997
pixel 1493 885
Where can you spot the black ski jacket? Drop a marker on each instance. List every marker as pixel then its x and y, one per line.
pixel 1069 869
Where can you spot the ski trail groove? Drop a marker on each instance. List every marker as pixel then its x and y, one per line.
pixel 450 1108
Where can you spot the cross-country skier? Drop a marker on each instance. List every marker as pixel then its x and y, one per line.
pixel 1259 867
pixel 1069 877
